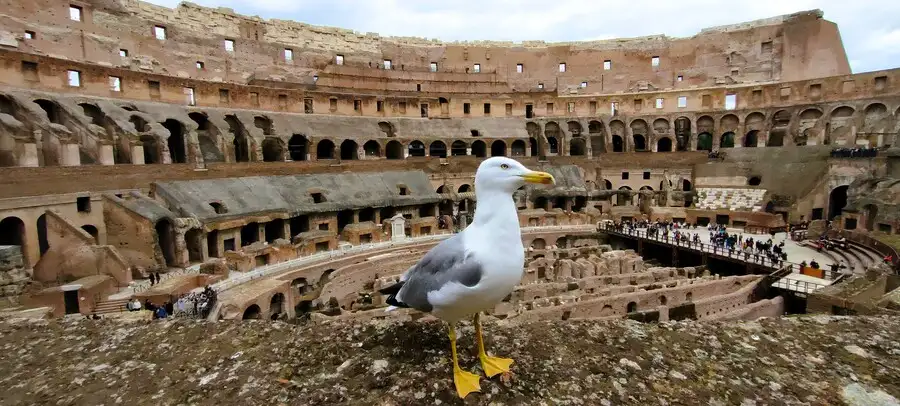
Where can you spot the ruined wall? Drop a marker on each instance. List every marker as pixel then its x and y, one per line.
pixel 74 254
pixel 14 276
pixel 133 236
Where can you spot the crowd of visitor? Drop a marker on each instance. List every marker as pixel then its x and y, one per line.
pixel 854 152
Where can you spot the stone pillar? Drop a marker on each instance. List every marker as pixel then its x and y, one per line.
pixel 287 230
pixel 28 156
pixel 260 231
pixel 107 156
pixel 137 154
pixel 69 155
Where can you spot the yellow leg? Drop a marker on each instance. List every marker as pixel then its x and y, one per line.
pixel 491 365
pixel 466 382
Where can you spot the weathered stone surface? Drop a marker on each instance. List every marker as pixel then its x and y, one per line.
pixel 799 360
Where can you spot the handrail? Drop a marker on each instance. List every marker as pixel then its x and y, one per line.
pixel 873 243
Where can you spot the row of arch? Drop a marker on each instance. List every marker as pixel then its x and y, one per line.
pixel 13 231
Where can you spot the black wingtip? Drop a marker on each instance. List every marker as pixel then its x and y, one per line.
pixel 392 291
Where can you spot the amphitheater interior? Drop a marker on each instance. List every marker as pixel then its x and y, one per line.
pixel 294 170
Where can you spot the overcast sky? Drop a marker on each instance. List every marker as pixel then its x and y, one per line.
pixel 870 28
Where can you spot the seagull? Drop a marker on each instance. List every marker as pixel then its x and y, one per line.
pixel 476 268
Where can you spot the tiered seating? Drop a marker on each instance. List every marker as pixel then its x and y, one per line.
pixel 730 199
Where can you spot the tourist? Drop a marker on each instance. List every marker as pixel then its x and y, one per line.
pixel 152 279
pixel 814 264
pixel 158 280
pixel 160 313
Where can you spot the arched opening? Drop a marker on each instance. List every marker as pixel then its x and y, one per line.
pixel 140 125
pixel 325 149
pixel 165 236
pixel 498 148
pixel 870 211
pixel 663 300
pixel 541 203
pixel 458 148
pixel 837 199
pixel 151 149
pixel 241 141
pixel 264 124
pixel 274 230
pixel 464 188
pixel 276 306
pixel 43 242
pixel 539 244
pixel 624 197
pixel 438 149
pixel 533 146
pixel 751 139
pixel 618 145
pixel 479 149
pixel 416 148
pixel 598 137
pixel 372 149
pixel 727 140
pixel 639 143
pixel 754 181
pixel 194 240
pixel 704 142
pixel 207 138
pixel 394 150
pixel 273 150
pixel 770 207
pixel 664 145
pixel 176 141
pixel 517 148
pixel 682 133
pixel 298 147
pixel 12 232
pixel 52 110
pixel 90 229
pixel 607 184
pixel 94 113
pixel 349 150
pixel 553 145
pixel 387 128
pixel 577 147
pixel 252 313
pixel 631 307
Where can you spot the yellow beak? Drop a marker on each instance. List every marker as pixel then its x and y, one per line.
pixel 543 178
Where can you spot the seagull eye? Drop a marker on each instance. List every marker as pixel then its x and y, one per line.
pixel 504 166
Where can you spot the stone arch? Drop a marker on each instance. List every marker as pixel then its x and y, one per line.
pixel 517 148
pixel 372 149
pixel 842 112
pixel 729 122
pixel 298 147
pixel 552 145
pixel 682 133
pixel 781 122
pixel 464 188
pixel 54 112
pixel 553 133
pixel 664 144
pixel 92 230
pixel 705 142
pixel 618 144
pixel 539 244
pixel 140 125
pixel 325 149
pixel 165 237
pixel 639 132
pixel 241 141
pixel 387 128
pixel 837 200
pixel 662 300
pixel 273 149
pixel 194 240
pixel 43 241
pixel 755 121
pixel 608 184
pixel 416 148
pixel 575 128
pixel 207 138
pixel 252 312
pixel 94 113
pixel 151 149
pixel 727 140
pixel 458 148
pixel 276 306
pixel 597 133
pixel 264 123
pixel 394 150
pixel 176 141
pixel 706 124
pixel 661 126
pixel 349 150
pixel 751 139
pixel 577 147
pixel 12 232
pixel 438 149
pixel 479 149
pixel 498 148
pixel 874 113
pixel 631 307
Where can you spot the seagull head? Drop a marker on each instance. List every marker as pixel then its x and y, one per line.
pixel 507 175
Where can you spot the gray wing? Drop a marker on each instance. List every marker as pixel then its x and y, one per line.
pixel 447 262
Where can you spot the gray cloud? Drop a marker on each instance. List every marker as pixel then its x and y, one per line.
pixel 870 29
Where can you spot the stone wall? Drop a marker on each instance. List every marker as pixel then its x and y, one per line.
pixel 14 276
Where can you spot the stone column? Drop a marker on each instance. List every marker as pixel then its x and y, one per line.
pixel 28 155
pixel 107 155
pixel 69 155
pixel 137 154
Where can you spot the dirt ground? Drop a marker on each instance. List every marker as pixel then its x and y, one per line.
pixel 809 360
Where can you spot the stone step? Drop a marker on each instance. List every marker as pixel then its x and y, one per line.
pixel 111 306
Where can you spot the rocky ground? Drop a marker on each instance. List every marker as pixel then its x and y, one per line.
pixel 816 360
